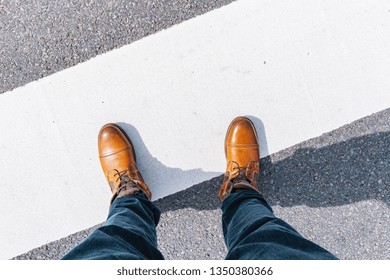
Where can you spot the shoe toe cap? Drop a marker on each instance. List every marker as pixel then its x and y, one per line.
pixel 241 144
pixel 241 132
pixel 111 140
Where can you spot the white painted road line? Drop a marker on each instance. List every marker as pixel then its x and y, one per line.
pixel 303 68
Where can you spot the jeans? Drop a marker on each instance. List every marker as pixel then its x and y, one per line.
pixel 250 229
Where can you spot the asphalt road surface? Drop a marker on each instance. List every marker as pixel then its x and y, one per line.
pixel 39 38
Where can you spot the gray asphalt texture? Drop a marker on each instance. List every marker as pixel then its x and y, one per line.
pixel 39 38
pixel 334 189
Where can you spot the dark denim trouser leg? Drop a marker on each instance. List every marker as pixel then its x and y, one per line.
pixel 129 233
pixel 253 232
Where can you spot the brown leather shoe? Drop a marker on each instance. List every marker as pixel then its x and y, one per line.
pixel 242 156
pixel 117 157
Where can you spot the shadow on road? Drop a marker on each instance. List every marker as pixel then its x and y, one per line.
pixel 160 178
pixel 342 173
